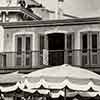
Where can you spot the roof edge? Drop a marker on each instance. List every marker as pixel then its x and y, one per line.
pixel 41 23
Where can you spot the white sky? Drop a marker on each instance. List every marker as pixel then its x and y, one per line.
pixel 81 8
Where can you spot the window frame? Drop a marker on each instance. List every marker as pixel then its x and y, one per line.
pixel 90 51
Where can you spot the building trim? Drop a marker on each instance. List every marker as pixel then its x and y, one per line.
pixel 19 34
pixel 46 23
pixel 55 31
pixel 21 10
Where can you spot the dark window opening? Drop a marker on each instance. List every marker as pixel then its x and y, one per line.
pixel 84 60
pixel 84 43
pixel 94 42
pixel 28 46
pixel 56 41
pixel 69 41
pixel 28 61
pixel 19 45
pixel 56 44
pixel 41 42
pixel 4 61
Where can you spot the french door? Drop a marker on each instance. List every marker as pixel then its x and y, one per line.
pixel 23 50
pixel 90 48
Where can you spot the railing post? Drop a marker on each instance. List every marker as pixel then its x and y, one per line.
pixel 89 57
pixel 23 58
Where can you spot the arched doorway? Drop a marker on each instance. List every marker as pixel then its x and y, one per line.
pixel 56 45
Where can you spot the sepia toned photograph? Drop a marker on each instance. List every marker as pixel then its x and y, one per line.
pixel 49 49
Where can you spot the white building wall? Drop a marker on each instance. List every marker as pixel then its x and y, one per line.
pixel 35 49
pixel 41 12
pixel 1 45
pixel 13 3
pixel 4 3
pixel 1 39
pixel 77 47
pixel 35 46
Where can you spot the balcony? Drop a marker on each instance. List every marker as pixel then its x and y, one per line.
pixel 29 61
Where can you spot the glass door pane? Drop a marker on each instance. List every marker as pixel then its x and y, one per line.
pixel 70 48
pixel 19 45
pixel 23 48
pixel 19 50
pixel 28 46
pixel 94 46
pixel 85 41
pixel 28 56
pixel 89 48
pixel 94 42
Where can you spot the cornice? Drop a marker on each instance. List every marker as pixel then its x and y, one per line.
pixel 20 9
pixel 46 23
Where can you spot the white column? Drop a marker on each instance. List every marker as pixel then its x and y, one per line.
pixel 65 53
pixel 45 51
pixel 1 45
pixel 35 50
pixel 77 47
pixel 3 16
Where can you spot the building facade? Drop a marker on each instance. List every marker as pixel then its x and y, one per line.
pixel 29 39
pixel 35 44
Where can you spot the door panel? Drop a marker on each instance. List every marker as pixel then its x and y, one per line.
pixel 19 51
pixel 90 48
pixel 85 48
pixel 23 48
pixel 70 46
pixel 28 57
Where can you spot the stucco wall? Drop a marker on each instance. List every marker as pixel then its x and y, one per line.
pixel 1 39
pixel 1 45
pixel 10 48
pixel 9 42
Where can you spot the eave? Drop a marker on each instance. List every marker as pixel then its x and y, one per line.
pixel 46 23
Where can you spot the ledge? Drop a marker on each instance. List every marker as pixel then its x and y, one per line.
pixel 22 70
pixel 46 23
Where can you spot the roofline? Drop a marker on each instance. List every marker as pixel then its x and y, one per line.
pixel 67 15
pixel 46 23
pixel 20 9
pixel 29 13
pixel 35 2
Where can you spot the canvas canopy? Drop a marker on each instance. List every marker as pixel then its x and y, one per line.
pixel 13 77
pixel 64 71
pixel 79 81
pixel 52 94
pixel 59 77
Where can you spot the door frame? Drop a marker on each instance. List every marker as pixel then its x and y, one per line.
pixel 89 53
